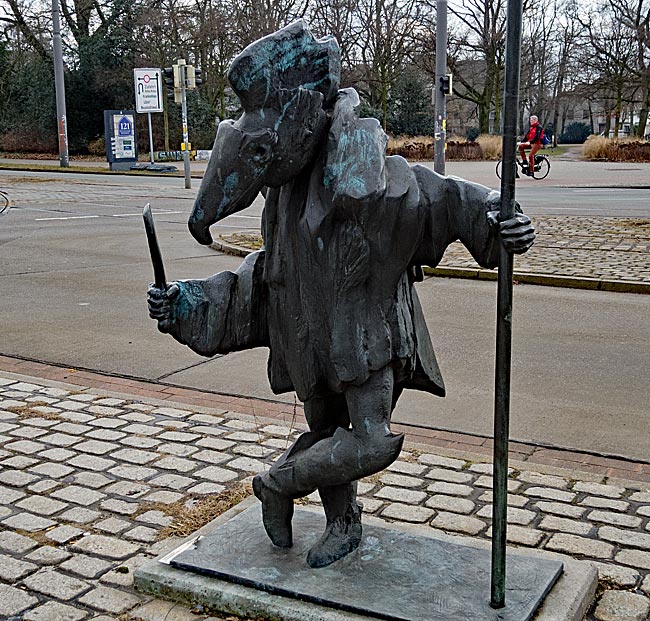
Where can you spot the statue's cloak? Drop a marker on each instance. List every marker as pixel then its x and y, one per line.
pixel 331 294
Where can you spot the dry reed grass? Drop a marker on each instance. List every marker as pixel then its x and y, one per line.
pixel 189 519
pixel 417 148
pixel 421 148
pixel 491 146
pixel 623 150
pixel 463 151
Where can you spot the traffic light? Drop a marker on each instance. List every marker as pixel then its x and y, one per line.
pixel 193 77
pixel 168 76
pixel 446 84
pixel 190 79
pixel 172 76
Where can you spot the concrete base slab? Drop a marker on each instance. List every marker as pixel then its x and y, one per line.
pixel 397 574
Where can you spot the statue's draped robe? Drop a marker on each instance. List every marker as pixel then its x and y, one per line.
pixel 332 293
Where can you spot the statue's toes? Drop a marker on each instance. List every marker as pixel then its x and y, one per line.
pixel 277 511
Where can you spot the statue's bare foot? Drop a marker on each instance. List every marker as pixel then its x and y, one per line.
pixel 277 511
pixel 342 536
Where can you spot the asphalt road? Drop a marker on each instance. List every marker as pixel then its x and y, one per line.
pixel 74 270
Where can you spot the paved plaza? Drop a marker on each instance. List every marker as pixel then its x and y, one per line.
pixel 95 481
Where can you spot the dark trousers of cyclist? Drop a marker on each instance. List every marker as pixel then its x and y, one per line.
pixel 534 148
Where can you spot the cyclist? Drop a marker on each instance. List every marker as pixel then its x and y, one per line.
pixel 532 141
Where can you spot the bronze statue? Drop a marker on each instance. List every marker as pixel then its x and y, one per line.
pixel 346 231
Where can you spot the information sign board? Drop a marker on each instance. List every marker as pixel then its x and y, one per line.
pixel 148 90
pixel 121 143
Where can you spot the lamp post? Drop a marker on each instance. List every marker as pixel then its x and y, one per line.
pixel 440 97
pixel 62 124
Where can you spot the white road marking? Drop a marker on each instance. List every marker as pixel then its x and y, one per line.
pixel 67 218
pixel 115 215
pixel 139 215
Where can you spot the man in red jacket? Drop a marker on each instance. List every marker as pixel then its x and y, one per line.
pixel 532 141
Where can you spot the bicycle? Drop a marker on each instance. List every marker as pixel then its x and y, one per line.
pixel 4 202
pixel 542 167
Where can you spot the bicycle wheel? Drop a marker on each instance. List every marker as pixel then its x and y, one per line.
pixel 542 167
pixel 4 202
pixel 499 169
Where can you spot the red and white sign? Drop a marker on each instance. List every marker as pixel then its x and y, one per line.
pixel 148 90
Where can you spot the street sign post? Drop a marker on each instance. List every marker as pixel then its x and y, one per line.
pixel 148 96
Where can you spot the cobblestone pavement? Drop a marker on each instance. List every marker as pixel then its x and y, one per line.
pixel 89 482
pixel 591 247
pixel 567 246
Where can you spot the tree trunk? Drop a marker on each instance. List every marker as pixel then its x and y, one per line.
pixel 608 123
pixel 617 116
pixel 643 114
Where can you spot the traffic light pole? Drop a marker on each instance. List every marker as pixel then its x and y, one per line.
pixel 186 140
pixel 440 132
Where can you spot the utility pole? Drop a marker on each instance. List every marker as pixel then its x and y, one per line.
pixel 440 96
pixel 186 140
pixel 59 83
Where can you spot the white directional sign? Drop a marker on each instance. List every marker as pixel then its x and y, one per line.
pixel 148 90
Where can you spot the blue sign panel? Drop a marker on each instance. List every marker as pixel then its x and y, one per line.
pixel 125 127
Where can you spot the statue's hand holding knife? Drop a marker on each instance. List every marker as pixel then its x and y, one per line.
pixel 160 296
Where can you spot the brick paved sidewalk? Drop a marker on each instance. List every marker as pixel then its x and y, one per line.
pixel 89 480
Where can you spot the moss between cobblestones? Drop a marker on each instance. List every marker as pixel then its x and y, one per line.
pixel 28 411
pixel 189 519
pixel 39 537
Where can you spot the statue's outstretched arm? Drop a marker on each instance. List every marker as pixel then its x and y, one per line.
pixel 220 314
pixel 454 209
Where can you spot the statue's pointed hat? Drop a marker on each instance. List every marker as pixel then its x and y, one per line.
pixel 284 61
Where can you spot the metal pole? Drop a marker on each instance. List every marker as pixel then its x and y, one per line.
pixel 504 309
pixel 440 99
pixel 150 140
pixel 59 85
pixel 186 140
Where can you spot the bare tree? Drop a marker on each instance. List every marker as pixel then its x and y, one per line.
pixel 31 21
pixel 634 15
pixel 339 19
pixel 476 55
pixel 608 49
pixel 257 18
pixel 386 45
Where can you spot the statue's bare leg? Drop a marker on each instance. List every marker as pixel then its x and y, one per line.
pixel 338 460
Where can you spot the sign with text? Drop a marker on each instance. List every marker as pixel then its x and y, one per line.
pixel 148 90
pixel 121 143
